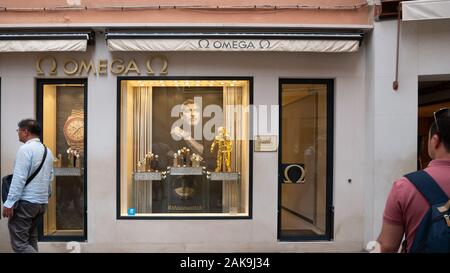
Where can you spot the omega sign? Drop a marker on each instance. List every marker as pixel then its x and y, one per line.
pixel 48 65
pixel 293 173
pixel 233 44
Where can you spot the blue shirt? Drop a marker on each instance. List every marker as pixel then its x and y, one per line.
pixel 28 159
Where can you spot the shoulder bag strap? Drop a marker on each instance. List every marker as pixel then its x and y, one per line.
pixel 38 169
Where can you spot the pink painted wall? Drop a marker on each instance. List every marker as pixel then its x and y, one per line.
pixel 14 12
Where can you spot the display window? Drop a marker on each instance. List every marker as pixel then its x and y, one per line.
pixel 62 111
pixel 184 147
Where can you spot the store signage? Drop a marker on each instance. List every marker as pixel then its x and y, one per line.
pixel 242 45
pixel 266 143
pixel 48 65
pixel 233 44
pixel 293 173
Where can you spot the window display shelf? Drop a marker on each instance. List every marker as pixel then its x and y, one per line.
pixel 223 176
pixel 147 176
pixel 186 171
pixel 67 171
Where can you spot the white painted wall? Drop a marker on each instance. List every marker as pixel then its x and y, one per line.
pixel 105 233
pixel 392 131
pixel 392 115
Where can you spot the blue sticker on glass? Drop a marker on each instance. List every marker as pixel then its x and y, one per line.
pixel 131 211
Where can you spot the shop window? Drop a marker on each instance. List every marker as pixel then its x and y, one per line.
pixel 62 113
pixel 184 148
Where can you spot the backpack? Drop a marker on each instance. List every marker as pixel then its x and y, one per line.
pixel 433 233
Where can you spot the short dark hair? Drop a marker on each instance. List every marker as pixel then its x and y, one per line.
pixel 443 121
pixel 188 101
pixel 31 125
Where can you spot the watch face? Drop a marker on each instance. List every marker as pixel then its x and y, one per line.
pixel 74 129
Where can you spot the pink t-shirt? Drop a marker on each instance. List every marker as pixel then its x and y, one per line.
pixel 406 206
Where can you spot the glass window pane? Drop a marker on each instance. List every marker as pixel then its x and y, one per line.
pixel 63 132
pixel 304 160
pixel 184 147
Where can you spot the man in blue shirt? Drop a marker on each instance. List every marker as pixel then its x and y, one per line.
pixel 26 204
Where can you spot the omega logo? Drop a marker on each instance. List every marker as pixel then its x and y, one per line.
pixel 234 44
pixel 287 179
pixel 163 70
pixel 52 68
pixel 264 44
pixel 203 43
pixel 117 66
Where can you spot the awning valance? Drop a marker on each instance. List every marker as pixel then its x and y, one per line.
pixel 42 42
pixel 425 10
pixel 265 42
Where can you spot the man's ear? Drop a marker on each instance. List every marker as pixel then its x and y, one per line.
pixel 435 141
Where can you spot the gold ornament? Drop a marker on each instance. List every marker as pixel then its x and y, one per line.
pixel 150 163
pixel 224 146
pixel 195 160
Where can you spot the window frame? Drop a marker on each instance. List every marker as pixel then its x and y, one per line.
pixel 329 218
pixel 40 82
pixel 118 149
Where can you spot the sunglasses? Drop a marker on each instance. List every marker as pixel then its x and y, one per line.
pixel 437 114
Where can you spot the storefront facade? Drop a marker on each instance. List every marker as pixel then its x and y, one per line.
pixel 254 225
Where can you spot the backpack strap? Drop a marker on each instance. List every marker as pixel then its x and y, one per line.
pixel 434 195
pixel 38 169
pixel 426 185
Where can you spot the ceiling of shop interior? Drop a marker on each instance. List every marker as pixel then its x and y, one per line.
pixel 435 95
pixel 426 87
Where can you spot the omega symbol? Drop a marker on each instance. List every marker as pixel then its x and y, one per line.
pixel 163 70
pixel 287 179
pixel 203 43
pixel 52 68
pixel 264 44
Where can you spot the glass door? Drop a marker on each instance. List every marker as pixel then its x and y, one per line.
pixel 62 113
pixel 305 159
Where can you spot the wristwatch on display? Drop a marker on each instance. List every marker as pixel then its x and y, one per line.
pixel 74 130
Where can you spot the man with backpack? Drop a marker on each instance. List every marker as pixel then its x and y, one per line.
pixel 29 188
pixel 418 206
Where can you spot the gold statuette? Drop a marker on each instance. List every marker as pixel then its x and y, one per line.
pixel 150 163
pixel 224 146
pixel 195 160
